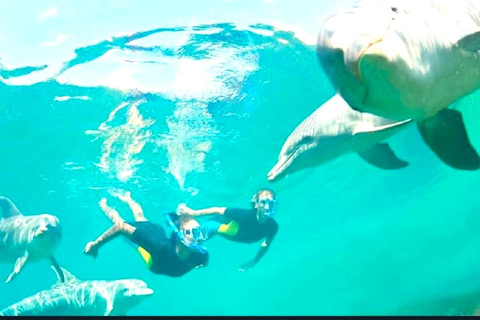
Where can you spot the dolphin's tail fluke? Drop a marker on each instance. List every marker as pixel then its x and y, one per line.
pixel 8 208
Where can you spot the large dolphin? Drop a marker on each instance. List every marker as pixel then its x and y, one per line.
pixel 335 129
pixel 27 238
pixel 409 59
pixel 82 298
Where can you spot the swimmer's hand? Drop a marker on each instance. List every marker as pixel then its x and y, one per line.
pixel 244 267
pixel 91 250
pixel 183 209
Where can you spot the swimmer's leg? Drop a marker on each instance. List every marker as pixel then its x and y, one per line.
pixel 111 213
pixel 134 206
pixel 120 227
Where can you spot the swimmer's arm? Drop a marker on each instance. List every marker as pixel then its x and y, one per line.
pixel 263 249
pixel 261 252
pixel 201 212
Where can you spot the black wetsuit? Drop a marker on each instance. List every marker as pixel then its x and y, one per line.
pixel 241 225
pixel 161 250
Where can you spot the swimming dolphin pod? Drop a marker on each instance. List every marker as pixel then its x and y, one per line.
pixel 27 238
pixel 408 59
pixel 335 129
pixel 82 298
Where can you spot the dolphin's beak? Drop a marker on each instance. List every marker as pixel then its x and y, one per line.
pixel 139 292
pixel 283 163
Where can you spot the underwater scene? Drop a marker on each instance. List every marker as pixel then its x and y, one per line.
pixel 227 157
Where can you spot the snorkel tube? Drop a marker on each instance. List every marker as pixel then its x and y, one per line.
pixel 179 235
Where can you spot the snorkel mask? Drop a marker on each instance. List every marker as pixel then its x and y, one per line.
pixel 268 207
pixel 180 235
pixel 198 233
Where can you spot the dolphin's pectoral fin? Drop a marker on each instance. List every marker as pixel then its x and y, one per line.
pixel 109 308
pixel 470 42
pixel 446 135
pixel 58 270
pixel 19 264
pixel 383 157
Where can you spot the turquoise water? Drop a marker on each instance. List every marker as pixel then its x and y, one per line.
pixel 197 113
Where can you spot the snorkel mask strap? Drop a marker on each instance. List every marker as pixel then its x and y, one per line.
pixel 179 235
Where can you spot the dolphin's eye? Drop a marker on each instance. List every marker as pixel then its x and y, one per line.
pixel 306 140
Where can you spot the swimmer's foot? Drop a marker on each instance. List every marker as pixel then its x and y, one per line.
pixel 126 197
pixel 103 203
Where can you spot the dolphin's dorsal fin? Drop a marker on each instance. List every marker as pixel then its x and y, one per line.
pixel 8 208
pixel 69 278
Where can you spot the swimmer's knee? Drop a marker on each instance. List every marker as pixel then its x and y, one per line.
pixel 118 221
pixel 125 227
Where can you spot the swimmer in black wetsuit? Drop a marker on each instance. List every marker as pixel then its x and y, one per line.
pixel 243 225
pixel 169 256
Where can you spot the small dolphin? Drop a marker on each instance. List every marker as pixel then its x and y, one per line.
pixel 82 298
pixel 409 59
pixel 27 238
pixel 335 129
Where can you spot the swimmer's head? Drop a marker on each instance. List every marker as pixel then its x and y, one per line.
pixel 191 230
pixel 265 202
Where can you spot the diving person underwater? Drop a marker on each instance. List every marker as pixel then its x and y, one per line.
pixel 243 225
pixel 172 256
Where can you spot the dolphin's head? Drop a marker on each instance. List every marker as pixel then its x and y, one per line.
pixel 46 230
pixel 344 38
pixel 319 138
pixel 298 152
pixel 128 293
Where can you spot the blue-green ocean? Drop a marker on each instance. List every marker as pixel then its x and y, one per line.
pixel 197 113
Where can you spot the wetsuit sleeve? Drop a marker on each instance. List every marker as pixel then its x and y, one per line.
pixel 237 214
pixel 272 230
pixel 203 259
pixel 212 227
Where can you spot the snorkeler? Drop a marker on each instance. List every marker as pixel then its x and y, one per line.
pixel 174 256
pixel 243 225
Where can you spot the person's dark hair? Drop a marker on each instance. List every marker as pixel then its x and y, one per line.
pixel 259 193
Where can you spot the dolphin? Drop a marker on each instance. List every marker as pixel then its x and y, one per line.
pixel 82 298
pixel 335 129
pixel 463 303
pixel 27 238
pixel 408 59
